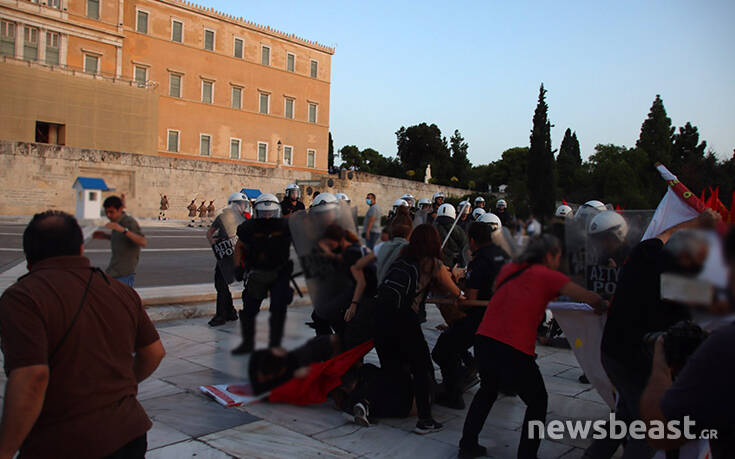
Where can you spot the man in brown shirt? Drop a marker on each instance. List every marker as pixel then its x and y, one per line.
pixel 125 238
pixel 192 208
pixel 76 345
pixel 202 213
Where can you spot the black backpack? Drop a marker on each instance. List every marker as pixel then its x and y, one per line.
pixel 399 287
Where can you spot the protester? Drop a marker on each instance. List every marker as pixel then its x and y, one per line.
pixel 372 226
pixel 533 227
pixel 76 344
pixel 264 249
pixel 637 309
pixel 163 208
pixel 384 237
pixel 399 339
pixel 506 337
pixel 222 236
pixel 703 388
pixel 125 238
pixel 487 260
pixel 291 200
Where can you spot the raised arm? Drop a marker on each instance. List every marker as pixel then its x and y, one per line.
pixel 583 295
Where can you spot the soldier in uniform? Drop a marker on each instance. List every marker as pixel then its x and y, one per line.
pixel 163 208
pixel 291 201
pixel 210 211
pixel 222 236
pixel 202 213
pixel 264 246
pixel 192 208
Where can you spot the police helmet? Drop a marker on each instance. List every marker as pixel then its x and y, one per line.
pixel 323 202
pixel 477 212
pixel 437 195
pixel 408 197
pixel 501 203
pixel 446 210
pixel 491 219
pixel 564 211
pixel 479 200
pixel 293 191
pixel 609 221
pixel 343 197
pixel 424 202
pixel 267 206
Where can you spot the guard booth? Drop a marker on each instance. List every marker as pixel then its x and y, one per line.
pixel 89 196
pixel 251 193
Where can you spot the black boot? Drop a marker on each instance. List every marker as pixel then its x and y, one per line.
pixel 247 327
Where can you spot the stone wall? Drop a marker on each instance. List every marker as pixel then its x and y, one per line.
pixel 37 177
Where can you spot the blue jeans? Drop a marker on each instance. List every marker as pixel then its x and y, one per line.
pixel 127 280
pixel 371 238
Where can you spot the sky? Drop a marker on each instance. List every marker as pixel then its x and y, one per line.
pixel 477 67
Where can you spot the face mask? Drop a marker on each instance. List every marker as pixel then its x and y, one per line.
pixel 368 201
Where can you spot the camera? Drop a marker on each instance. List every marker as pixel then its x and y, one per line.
pixel 680 342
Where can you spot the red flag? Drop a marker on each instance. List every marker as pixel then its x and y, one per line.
pixel 323 377
pixel 564 201
pixel 678 205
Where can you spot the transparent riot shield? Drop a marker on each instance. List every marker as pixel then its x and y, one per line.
pixel 326 282
pixel 224 242
pixel 607 248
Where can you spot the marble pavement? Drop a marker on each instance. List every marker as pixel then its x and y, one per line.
pixel 188 424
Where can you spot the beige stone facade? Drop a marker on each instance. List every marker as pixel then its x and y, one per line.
pixel 37 177
pixel 227 89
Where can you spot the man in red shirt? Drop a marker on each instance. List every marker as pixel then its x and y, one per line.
pixel 506 339
pixel 76 345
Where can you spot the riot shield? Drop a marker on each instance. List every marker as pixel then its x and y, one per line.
pixel 606 252
pixel 326 282
pixel 224 242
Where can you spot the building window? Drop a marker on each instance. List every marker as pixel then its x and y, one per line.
pixel 312 113
pixel 141 24
pixel 288 109
pixel 174 85
pixel 238 48
pixel 141 75
pixel 310 158
pixel 173 141
pixel 288 155
pixel 265 55
pixel 50 133
pixel 7 38
pixel 314 68
pixel 236 97
pixel 262 152
pixel 177 31
pixel 264 102
pixel 52 48
pixel 235 148
pixel 30 43
pixel 290 62
pixel 54 4
pixel 204 144
pixel 207 90
pixel 209 39
pixel 91 63
pixel 93 9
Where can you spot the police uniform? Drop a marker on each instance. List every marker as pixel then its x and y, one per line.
pixel 288 207
pixel 460 336
pixel 225 238
pixel 267 244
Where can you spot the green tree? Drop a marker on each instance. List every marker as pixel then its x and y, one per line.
pixel 615 176
pixel 541 186
pixel 568 161
pixel 421 145
pixel 512 170
pixel 656 140
pixel 687 157
pixel 461 165
pixel 330 153
pixel 351 156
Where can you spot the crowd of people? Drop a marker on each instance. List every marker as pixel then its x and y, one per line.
pixel 491 277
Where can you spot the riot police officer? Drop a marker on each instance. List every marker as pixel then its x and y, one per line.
pixel 291 200
pixel 222 236
pixel 264 246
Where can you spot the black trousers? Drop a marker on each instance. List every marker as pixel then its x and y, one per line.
pixel 133 450
pixel 400 343
pixel 389 395
pixel 225 308
pixel 451 346
pixel 504 367
pixel 281 296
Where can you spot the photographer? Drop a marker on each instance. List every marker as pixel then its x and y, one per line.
pixel 703 388
pixel 637 309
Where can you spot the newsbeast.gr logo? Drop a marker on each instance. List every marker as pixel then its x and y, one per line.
pixel 617 430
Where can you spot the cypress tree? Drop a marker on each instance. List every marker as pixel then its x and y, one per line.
pixel 656 140
pixel 540 171
pixel 568 161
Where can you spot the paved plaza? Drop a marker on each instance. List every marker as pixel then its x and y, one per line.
pixel 188 424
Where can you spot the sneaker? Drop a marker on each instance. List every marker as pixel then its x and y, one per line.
pixel 471 452
pixel 426 426
pixel 243 349
pixel 216 321
pixel 360 414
